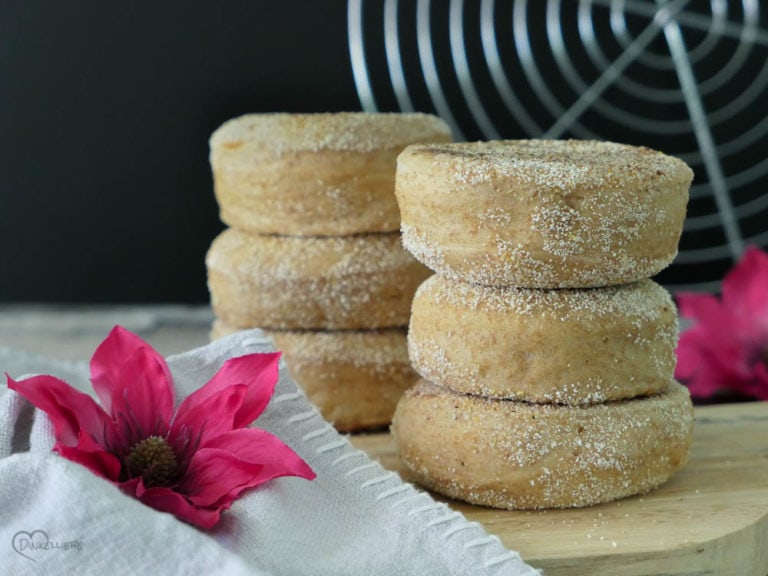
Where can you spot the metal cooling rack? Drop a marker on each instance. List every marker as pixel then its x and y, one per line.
pixel 688 77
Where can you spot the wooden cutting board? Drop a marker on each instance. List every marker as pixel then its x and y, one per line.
pixel 711 518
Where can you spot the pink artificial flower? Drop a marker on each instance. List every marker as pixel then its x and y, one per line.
pixel 726 349
pixel 193 461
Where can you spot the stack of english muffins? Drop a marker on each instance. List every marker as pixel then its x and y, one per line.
pixel 312 252
pixel 546 352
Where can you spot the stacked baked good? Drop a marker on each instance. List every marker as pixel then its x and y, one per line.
pixel 312 252
pixel 546 351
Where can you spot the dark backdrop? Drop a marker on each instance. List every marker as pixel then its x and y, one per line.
pixel 105 112
pixel 106 109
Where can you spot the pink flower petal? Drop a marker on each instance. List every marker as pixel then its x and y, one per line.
pixel 133 383
pixel 167 500
pixel 259 372
pixel 712 349
pixel 93 456
pixel 69 409
pixel 700 307
pixel 718 358
pixel 725 348
pixel 219 457
pixel 690 357
pixel 196 423
pixel 745 288
pixel 702 381
pixel 236 461
pixel 759 385
pixel 719 323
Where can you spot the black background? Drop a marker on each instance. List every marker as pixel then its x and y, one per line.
pixel 106 109
pixel 106 194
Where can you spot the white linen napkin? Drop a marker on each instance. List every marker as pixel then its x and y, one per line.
pixel 56 517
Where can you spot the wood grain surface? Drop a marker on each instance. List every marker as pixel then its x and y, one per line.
pixel 711 518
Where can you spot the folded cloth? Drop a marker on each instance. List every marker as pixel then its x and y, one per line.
pixel 56 517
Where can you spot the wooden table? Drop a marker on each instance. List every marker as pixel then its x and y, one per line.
pixel 711 518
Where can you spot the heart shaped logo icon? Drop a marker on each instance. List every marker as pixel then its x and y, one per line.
pixel 27 543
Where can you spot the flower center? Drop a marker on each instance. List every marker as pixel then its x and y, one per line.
pixel 152 459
